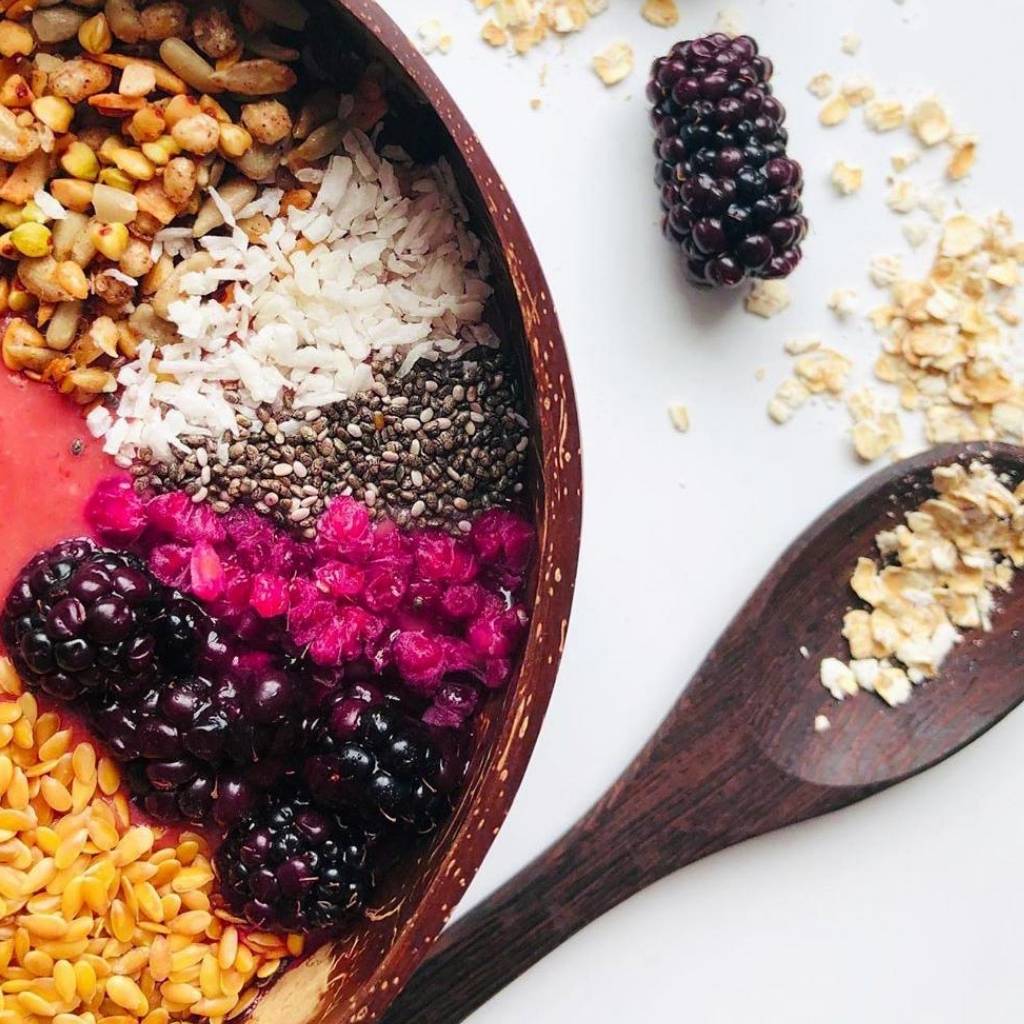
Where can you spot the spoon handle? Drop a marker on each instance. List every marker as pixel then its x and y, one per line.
pixel 684 797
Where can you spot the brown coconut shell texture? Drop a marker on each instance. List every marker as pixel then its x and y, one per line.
pixel 355 978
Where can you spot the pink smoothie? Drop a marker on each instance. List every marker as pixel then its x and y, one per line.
pixel 43 482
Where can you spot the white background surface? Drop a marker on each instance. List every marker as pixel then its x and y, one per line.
pixel 908 907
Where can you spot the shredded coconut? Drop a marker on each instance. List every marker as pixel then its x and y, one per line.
pixel 381 264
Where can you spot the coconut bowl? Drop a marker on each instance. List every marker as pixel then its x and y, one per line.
pixel 355 978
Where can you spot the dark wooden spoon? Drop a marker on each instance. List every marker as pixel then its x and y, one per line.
pixel 738 755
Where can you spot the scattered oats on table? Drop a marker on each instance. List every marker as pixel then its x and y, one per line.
pixel 857 90
pixel 938 575
pixel 663 13
pixel 842 302
pixel 847 178
pixel 767 298
pixel 820 85
pixel 727 22
pixel 434 38
pixel 835 111
pixel 525 24
pixel 850 43
pixel 614 63
pixel 680 417
pixel 884 115
pixel 930 123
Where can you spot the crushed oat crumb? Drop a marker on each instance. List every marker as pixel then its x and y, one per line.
pixel 821 85
pixel 767 298
pixel 916 233
pixel 434 38
pixel 848 179
pixel 905 158
pixel 680 417
pixel 930 123
pixel 937 576
pixel 525 24
pixel 835 111
pixel 663 13
pixel 789 396
pixel 728 22
pixel 821 723
pixel 876 431
pixel 903 196
pixel 850 43
pixel 965 153
pixel 798 346
pixel 822 371
pixel 884 115
pixel 614 63
pixel 885 269
pixel 842 302
pixel 857 91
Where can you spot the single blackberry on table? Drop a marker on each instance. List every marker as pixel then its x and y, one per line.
pixel 730 193
pixel 82 621
pixel 368 756
pixel 294 866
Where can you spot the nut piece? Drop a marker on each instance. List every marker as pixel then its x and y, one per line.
pixel 78 79
pixel 15 40
pixel 137 80
pixel 179 180
pixel 214 32
pixel 16 141
pixel 56 24
pixel 94 35
pixel 165 20
pixel 124 20
pixel 199 133
pixel 268 121
pixel 260 77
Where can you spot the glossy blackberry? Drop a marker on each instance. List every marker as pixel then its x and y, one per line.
pixel 82 621
pixel 201 751
pixel 367 756
pixel 730 193
pixel 293 866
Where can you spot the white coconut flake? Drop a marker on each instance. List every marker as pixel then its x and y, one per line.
pixel 50 206
pixel 382 270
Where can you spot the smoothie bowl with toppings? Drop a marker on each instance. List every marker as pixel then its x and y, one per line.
pixel 291 490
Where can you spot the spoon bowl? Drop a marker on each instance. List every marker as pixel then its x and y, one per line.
pixel 738 755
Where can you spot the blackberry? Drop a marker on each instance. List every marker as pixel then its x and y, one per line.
pixel 83 622
pixel 293 866
pixel 731 195
pixel 368 757
pixel 199 750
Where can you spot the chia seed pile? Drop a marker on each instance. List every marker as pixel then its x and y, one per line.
pixel 434 447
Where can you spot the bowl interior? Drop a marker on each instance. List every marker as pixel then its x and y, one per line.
pixel 354 979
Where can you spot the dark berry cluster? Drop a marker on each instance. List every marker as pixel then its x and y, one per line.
pixel 368 757
pixel 206 730
pixel 730 193
pixel 82 621
pixel 291 865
